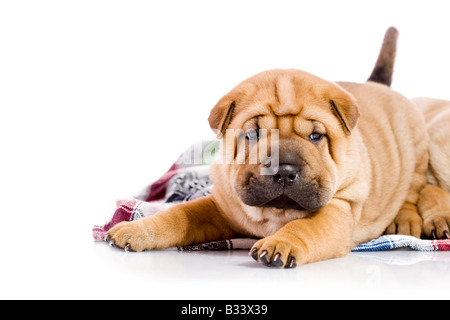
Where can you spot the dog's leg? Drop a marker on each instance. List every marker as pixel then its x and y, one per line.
pixel 325 235
pixel 434 206
pixel 407 222
pixel 196 221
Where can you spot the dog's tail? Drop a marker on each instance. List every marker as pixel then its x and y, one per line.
pixel 384 68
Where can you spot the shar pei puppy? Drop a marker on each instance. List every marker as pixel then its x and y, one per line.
pixel 308 166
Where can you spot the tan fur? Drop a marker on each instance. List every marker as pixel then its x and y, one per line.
pixel 437 118
pixel 373 161
pixel 193 222
pixel 434 204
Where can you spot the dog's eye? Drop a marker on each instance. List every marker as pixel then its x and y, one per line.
pixel 315 137
pixel 252 135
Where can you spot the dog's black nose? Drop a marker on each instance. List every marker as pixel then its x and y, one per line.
pixel 287 174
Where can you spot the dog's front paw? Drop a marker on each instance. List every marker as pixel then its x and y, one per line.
pixel 276 252
pixel 437 226
pixel 134 236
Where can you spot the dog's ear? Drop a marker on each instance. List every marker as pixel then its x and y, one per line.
pixel 346 109
pixel 221 115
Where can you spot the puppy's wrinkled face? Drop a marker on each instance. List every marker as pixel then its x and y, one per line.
pixel 284 134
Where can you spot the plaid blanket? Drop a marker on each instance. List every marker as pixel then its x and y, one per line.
pixel 188 179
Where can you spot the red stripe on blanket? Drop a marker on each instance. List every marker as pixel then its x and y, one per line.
pixel 159 188
pixel 442 245
pixel 125 210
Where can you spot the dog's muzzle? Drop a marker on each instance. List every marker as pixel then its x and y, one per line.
pixel 288 188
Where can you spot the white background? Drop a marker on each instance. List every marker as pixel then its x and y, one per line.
pixel 98 98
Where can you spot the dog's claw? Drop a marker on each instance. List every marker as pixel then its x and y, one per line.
pixel 291 263
pixel 110 241
pixel 434 235
pixel 263 258
pixel 277 262
pixel 254 253
pixel 127 248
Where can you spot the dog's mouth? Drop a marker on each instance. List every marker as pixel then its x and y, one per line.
pixel 283 202
pixel 303 197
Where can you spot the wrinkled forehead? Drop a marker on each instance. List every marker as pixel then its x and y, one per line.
pixel 277 95
pixel 283 93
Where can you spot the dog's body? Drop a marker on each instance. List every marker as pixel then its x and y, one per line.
pixel 434 200
pixel 434 204
pixel 352 157
pixel 437 118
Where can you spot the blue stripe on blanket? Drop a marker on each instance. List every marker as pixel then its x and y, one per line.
pixel 389 242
